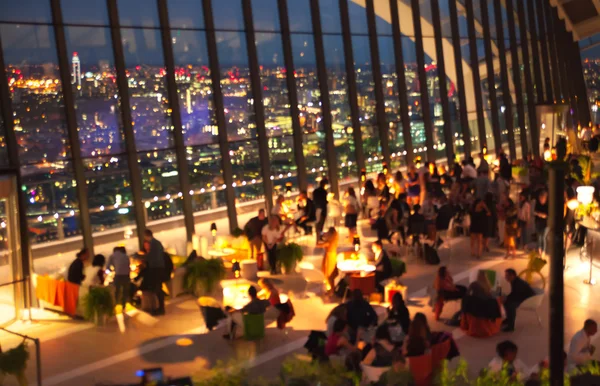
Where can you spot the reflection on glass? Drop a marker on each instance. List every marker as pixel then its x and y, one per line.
pixel 185 14
pixel 95 91
pixel 160 183
pixel 33 11
pixel 265 15
pixel 299 15
pixel 228 15
pixel 84 12
pixel 245 162
pixel 206 177
pixel 138 13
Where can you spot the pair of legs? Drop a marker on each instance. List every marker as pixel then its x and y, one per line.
pixel 511 315
pixel 477 244
pixel 272 258
pixel 444 296
pixel 255 246
pixel 122 284
pixel 542 241
pixel 320 222
pixel 156 275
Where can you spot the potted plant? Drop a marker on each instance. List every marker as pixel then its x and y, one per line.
pixel 98 305
pixel 295 371
pixel 14 362
pixel 288 256
pixel 202 276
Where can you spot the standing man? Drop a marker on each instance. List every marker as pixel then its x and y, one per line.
pixel 119 261
pixel 155 261
pixel 581 348
pixel 253 231
pixel 320 201
pixel 520 291
pixel 75 274
pixel 306 207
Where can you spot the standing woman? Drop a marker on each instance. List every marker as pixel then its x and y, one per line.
pixel 399 184
pixel 479 218
pixel 329 264
pixel 351 209
pixel 414 186
pixel 383 189
pixel 272 235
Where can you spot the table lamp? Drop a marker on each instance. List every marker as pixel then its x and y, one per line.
pixel 585 194
pixel 235 268
pixel 213 232
pixel 288 189
pixel 356 243
pixel 385 168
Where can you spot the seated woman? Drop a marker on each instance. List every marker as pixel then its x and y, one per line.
pixel 268 291
pixel 481 312
pixel 481 287
pixel 446 290
pixel 340 312
pixel 419 337
pixel 337 343
pixel 398 318
pixel 380 354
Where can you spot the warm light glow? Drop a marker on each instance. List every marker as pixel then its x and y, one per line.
pixel 572 204
pixel 548 155
pixel 184 342
pixel 585 194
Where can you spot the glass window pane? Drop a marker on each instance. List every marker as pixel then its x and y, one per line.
pixel 138 13
pixel 109 192
pixel 52 209
pixel 95 91
pixel 311 121
pixel 299 16
pixel 160 184
pixel 283 163
pixel 147 88
pixel 32 70
pixel 330 16
pixel 84 12
pixel 228 15
pixel 3 150
pixel 383 17
pixel 194 87
pixel 265 14
pixel 245 162
pixel 33 11
pixel 235 83
pixel 358 18
pixel 206 177
pixel 186 14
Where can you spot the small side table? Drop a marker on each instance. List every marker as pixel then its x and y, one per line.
pixel 249 270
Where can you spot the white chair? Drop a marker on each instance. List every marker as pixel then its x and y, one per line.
pixel 372 374
pixel 311 275
pixel 534 303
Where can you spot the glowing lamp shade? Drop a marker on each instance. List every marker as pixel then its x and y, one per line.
pixel 356 243
pixel 585 194
pixel 363 175
pixel 548 155
pixel 572 204
pixel 236 268
pixel 213 229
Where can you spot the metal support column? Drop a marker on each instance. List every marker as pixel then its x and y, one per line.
pixel 425 107
pixel 288 59
pixel 491 77
pixel 460 78
pixel 544 39
pixel 476 76
pixel 72 131
pixel 332 166
pixel 352 91
pixel 259 111
pixel 401 74
pixel 514 53
pixel 215 75
pixel 556 222
pixel 551 38
pixel 125 108
pixel 182 163
pixel 535 52
pixel 533 127
pixel 506 94
pixel 443 85
pixel 12 150
pixel 382 124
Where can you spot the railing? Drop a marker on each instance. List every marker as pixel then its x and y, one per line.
pixel 38 353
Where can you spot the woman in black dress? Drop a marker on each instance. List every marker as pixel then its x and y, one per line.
pixel 479 227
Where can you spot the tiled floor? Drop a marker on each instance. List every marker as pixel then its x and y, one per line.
pixel 77 353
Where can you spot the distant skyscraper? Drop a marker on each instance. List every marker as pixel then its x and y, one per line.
pixel 76 71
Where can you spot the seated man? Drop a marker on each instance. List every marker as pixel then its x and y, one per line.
pixel 581 348
pixel 360 313
pixel 520 291
pixel 236 320
pixel 307 211
pixel 507 358
pixel 253 230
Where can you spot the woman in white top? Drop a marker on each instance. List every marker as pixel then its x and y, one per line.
pixel 351 210
pixel 272 234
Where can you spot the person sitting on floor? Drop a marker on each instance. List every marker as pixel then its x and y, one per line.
pixel 507 359
pixel 581 348
pixel 337 343
pixel 398 317
pixel 419 336
pixel 520 291
pixel 481 287
pixel 268 291
pixel 361 314
pixel 380 353
pixel 446 290
pixel 254 307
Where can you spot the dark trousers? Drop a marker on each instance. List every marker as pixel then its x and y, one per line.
pixel 321 223
pixel 155 278
pixel 304 225
pixel 122 284
pixel 511 313
pixel 272 257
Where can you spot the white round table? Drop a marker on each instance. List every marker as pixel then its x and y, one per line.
pixel 249 269
pixel 350 266
pixel 220 253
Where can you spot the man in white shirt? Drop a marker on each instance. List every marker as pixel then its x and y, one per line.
pixel 469 172
pixel 581 348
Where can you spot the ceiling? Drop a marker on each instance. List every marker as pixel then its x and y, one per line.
pixel 582 17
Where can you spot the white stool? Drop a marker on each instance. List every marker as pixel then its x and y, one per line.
pixel 249 270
